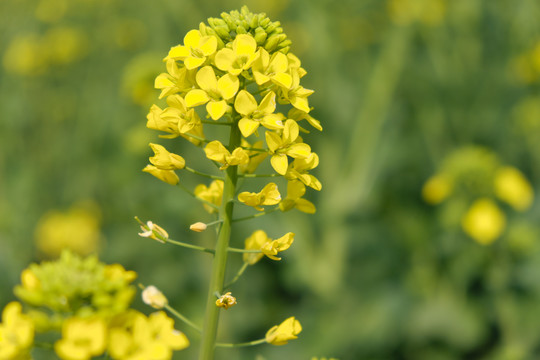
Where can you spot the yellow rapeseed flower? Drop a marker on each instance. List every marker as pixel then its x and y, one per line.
pixel 260 241
pixel 212 194
pixel 484 221
pixel 274 69
pixel 176 79
pixel 215 150
pixel 166 160
pixel 282 333
pixel 254 114
pixel 16 333
pixel 286 144
pixel 240 57
pixel 437 188
pixel 298 170
pixel 512 187
pixel 213 91
pixel 82 338
pixel 154 231
pixel 226 301
pixel 295 190
pixel 272 248
pixel 168 176
pixel 269 195
pixel 195 50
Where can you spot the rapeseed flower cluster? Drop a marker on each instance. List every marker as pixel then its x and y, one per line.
pixel 475 176
pixel 235 73
pixel 88 303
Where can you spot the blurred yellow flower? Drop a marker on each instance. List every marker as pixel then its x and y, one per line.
pixel 260 241
pixel 51 10
pixel 212 194
pixel 226 301
pixel 269 195
pixel 16 333
pixel 512 187
pixel 78 229
pixel 484 221
pixel 152 296
pixel 437 188
pixel 282 333
pixel 26 55
pixel 81 338
pixel 65 45
pixel 295 190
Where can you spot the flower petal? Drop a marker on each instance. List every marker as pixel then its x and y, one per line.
pixel 216 109
pixel 245 103
pixel 224 59
pixel 178 52
pixel 227 86
pixel 248 126
pixel 196 97
pixel 206 79
pixel 280 163
pixel 268 103
pixel 244 44
pixel 208 45
pixel 299 150
pixel 192 38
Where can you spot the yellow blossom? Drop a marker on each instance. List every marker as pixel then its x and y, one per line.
pixel 226 301
pixel 255 242
pixel 484 221
pixel 212 194
pixel 176 79
pixel 282 333
pixel 299 168
pixel 216 151
pixel 153 297
pixel 299 115
pixel 142 338
pixel 213 92
pixel 168 176
pixel 240 57
pixel 16 333
pixel 281 146
pixel 254 115
pixel 154 231
pixel 295 191
pixel 81 338
pixel 29 280
pixel 269 195
pixel 512 187
pixel 195 50
pixel 255 157
pixel 165 160
pixel 272 248
pixel 274 69
pixel 437 188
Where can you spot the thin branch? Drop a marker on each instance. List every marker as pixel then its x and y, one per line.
pixel 181 186
pixel 257 215
pixel 258 175
pixel 237 276
pixel 249 343
pixel 190 246
pixel 215 177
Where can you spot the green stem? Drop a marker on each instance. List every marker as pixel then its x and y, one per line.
pixel 256 215
pixel 203 174
pixel 258 175
pixel 217 122
pixel 208 337
pixel 249 343
pixel 189 246
pixel 237 276
pixel 182 317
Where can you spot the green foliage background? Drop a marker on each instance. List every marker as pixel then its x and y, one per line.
pixel 376 273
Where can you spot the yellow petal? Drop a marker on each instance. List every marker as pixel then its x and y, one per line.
pixel 282 79
pixel 208 45
pixel 247 126
pixel 273 141
pixel 273 121
pixel 192 38
pixel 305 206
pixel 245 103
pixel 278 63
pixel 216 109
pixel 178 52
pixel 196 97
pixel 260 78
pixel 280 163
pixel 206 79
pixel 268 103
pixel 484 221
pixel 238 157
pixel 224 59
pixel 193 62
pixel 163 81
pixel 168 176
pixel 301 103
pixel 290 131
pixel 227 86
pixel 244 44
pixel 215 150
pixel 299 150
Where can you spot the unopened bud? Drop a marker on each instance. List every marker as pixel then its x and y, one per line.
pixel 271 43
pixel 153 297
pixel 226 301
pixel 260 36
pixel 241 30
pixel 198 227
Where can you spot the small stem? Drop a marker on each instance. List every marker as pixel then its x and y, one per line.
pixel 253 149
pixel 215 177
pixel 258 175
pixel 203 140
pixel 249 343
pixel 237 250
pixel 182 317
pixel 181 186
pixel 189 246
pixel 217 122
pixel 256 215
pixel 237 276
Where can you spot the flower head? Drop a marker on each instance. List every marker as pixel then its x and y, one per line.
pixel 254 115
pixel 272 69
pixel 212 194
pixel 168 176
pixel 512 187
pixel 286 144
pixel 16 333
pixel 240 57
pixel 226 301
pixel 195 50
pixel 82 338
pixel 298 170
pixel 484 221
pixel 269 195
pixel 437 188
pixel 260 241
pixel 282 333
pixel 295 190
pixel 198 227
pixel 165 160
pixel 154 231
pixel 272 248
pixel 216 151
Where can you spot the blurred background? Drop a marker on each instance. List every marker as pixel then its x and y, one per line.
pixel 425 244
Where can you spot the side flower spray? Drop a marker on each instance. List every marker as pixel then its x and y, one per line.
pixel 235 73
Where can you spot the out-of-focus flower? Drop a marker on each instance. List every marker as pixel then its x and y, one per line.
pixel 51 10
pixel 484 221
pixel 26 55
pixel 212 194
pixel 282 333
pixel 65 45
pixel 272 248
pixel 260 241
pixel 295 190
pixel 198 227
pixel 145 338
pixel 512 187
pixel 16 333
pixel 82 338
pixel 152 296
pixel 269 195
pixel 226 301
pixel 437 188
pixel 78 229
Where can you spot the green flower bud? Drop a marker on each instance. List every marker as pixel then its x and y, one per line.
pixel 228 20
pixel 272 26
pixel 264 22
pixel 271 43
pixel 254 22
pixel 223 32
pixel 241 30
pixel 260 36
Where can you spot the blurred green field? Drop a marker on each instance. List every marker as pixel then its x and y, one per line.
pixel 392 266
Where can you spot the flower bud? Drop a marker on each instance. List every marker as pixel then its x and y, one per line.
pixel 226 301
pixel 260 36
pixel 153 297
pixel 222 31
pixel 198 227
pixel 241 30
